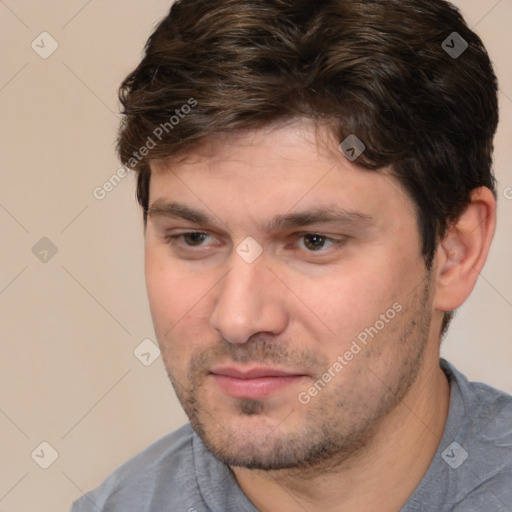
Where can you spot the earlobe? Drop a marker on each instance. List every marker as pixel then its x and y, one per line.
pixel 462 253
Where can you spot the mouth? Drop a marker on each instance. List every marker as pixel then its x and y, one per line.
pixel 253 383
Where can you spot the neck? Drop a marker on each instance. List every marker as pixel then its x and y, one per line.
pixel 381 476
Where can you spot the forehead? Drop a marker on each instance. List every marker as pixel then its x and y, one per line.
pixel 291 139
pixel 284 168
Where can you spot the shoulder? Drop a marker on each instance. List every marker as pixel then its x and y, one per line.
pixel 140 479
pixel 485 435
pixel 472 469
pixel 486 411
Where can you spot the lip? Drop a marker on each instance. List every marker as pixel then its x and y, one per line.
pixel 252 373
pixel 253 383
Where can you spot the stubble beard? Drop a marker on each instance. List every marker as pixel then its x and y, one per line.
pixel 331 429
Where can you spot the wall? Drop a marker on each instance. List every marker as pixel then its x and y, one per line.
pixel 72 296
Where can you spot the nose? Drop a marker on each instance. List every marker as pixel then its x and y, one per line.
pixel 248 301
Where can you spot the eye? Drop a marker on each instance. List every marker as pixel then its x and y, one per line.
pixel 309 242
pixel 315 242
pixel 191 239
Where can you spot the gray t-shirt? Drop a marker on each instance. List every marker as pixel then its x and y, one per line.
pixel 471 471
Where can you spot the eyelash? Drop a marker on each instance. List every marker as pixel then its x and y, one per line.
pixel 172 240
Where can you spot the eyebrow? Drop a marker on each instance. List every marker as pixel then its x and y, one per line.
pixel 323 215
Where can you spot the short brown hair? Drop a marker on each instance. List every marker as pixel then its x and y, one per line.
pixel 378 69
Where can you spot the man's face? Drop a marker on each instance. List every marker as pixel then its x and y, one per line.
pixel 250 339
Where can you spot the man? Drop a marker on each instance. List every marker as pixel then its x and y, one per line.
pixel 318 199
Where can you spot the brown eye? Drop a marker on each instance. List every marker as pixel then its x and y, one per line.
pixel 317 243
pixel 314 242
pixel 193 239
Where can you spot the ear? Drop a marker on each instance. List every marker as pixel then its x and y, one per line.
pixel 462 253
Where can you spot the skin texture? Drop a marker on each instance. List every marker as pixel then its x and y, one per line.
pixel 371 431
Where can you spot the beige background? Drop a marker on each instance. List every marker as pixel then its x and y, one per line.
pixel 70 325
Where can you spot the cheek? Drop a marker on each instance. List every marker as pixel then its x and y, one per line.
pixel 178 303
pixel 167 292
pixel 356 298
